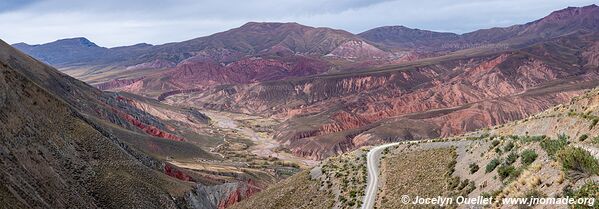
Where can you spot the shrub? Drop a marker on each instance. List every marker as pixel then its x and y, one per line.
pixel 497 150
pixel 588 190
pixel 508 147
pixel 505 171
pixel 494 143
pixel 528 156
pixel 593 123
pixel 511 158
pixel 473 168
pixel 595 140
pixel 577 159
pixel 453 182
pixel 583 137
pixel 552 146
pixel 492 165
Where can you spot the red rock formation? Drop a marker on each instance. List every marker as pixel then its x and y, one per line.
pixel 244 190
pixel 451 96
pixel 149 129
pixel 176 173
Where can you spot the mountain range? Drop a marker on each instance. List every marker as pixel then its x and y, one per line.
pixel 212 121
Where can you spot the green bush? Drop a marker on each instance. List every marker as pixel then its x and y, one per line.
pixel 511 158
pixel 494 143
pixel 583 137
pixel 528 156
pixel 508 147
pixel 577 159
pixel 492 165
pixel 588 190
pixel 505 171
pixel 473 168
pixel 552 146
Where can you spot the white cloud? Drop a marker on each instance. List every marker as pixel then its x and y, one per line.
pixel 120 22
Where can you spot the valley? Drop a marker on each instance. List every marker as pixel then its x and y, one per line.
pixel 285 115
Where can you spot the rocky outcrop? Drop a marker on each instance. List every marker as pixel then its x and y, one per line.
pixel 116 83
pixel 221 196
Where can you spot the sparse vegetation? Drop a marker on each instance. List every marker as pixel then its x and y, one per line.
pixel 505 171
pixel 583 137
pixel 528 156
pixel 588 190
pixel 417 173
pixel 578 160
pixel 492 165
pixel 595 140
pixel 508 147
pixel 494 143
pixel 552 146
pixel 511 158
pixel 473 168
pixel 594 122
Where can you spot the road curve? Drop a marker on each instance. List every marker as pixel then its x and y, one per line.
pixel 372 163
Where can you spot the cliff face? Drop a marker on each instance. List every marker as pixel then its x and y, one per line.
pixel 328 114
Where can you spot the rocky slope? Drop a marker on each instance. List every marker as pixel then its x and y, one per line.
pixel 66 144
pixel 55 157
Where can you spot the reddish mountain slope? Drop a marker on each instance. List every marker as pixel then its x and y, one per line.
pixel 444 96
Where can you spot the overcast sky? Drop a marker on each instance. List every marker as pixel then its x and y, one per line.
pixel 125 22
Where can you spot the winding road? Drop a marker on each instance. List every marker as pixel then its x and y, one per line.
pixel 372 162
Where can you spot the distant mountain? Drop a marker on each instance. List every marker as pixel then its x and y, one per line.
pixel 251 39
pixel 558 23
pixel 64 51
pixel 407 38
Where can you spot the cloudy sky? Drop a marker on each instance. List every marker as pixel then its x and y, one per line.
pixel 125 22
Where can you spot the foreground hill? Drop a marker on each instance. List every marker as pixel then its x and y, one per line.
pixel 66 144
pixel 55 157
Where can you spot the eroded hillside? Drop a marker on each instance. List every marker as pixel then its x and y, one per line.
pixel 330 114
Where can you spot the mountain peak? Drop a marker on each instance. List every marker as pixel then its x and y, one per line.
pixel 570 12
pixel 77 41
pixel 270 25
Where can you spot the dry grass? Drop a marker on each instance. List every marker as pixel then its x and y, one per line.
pixel 299 191
pixel 415 173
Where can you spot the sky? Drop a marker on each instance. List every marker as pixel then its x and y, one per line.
pixel 113 23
